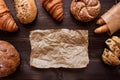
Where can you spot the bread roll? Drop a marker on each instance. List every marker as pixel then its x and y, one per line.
pixel 26 10
pixel 85 10
pixel 111 57
pixel 9 59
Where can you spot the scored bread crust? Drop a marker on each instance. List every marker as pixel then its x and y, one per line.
pixel 111 57
pixel 26 10
pixel 85 10
pixel 9 59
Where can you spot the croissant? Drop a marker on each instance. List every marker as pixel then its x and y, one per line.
pixel 54 7
pixel 7 22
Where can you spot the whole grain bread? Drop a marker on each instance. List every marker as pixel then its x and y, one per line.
pixel 26 10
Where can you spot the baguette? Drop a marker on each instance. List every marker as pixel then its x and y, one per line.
pixel 100 22
pixel 26 10
pixel 102 29
pixel 110 20
pixel 7 22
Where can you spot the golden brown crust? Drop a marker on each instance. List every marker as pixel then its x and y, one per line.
pixel 112 18
pixel 9 59
pixel 111 57
pixel 54 7
pixel 100 22
pixel 102 29
pixel 85 10
pixel 26 10
pixel 7 22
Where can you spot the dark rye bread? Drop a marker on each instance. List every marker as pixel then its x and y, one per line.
pixel 9 59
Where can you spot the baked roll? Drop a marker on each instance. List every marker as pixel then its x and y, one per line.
pixel 85 10
pixel 9 59
pixel 111 57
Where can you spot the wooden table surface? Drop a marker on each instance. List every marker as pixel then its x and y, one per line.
pixel 96 69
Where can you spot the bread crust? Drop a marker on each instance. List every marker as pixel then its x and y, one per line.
pixel 85 10
pixel 111 56
pixel 26 10
pixel 7 22
pixel 9 59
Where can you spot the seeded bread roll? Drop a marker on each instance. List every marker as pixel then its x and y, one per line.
pixel 111 56
pixel 85 10
pixel 9 59
pixel 26 10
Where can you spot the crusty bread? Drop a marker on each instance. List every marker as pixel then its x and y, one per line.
pixel 111 57
pixel 113 46
pixel 9 59
pixel 85 10
pixel 26 10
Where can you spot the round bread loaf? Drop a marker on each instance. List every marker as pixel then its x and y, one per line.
pixel 85 10
pixel 9 59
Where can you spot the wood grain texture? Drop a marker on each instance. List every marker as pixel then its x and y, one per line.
pixel 96 70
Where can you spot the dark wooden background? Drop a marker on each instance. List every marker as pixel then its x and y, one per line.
pixel 96 69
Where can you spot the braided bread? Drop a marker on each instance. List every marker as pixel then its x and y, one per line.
pixel 54 7
pixel 85 10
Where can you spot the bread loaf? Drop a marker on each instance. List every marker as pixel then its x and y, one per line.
pixel 9 59
pixel 54 7
pixel 7 22
pixel 26 10
pixel 111 57
pixel 85 10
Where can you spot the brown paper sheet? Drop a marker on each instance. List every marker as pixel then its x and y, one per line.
pixel 112 18
pixel 59 48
